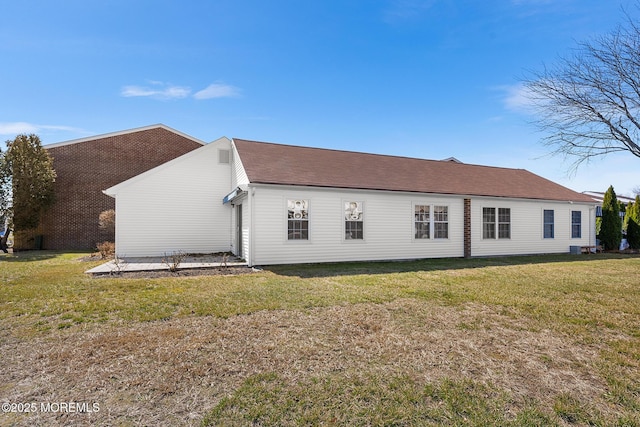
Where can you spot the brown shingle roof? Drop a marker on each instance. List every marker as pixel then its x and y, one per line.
pixel 268 163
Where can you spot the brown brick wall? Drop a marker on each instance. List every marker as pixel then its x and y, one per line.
pixel 467 228
pixel 86 168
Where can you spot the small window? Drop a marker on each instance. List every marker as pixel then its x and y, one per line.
pixel 440 222
pixel 488 223
pixel 504 223
pixel 422 221
pixel 576 224
pixel 224 156
pixel 353 221
pixel 548 224
pixel 297 219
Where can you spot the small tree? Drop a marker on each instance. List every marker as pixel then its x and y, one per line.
pixel 107 222
pixel 5 201
pixel 632 220
pixel 611 228
pixel 29 170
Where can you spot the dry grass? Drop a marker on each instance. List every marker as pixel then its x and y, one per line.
pixel 172 373
pixel 510 344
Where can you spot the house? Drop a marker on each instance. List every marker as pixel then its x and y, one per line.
pixel 280 204
pixel 85 167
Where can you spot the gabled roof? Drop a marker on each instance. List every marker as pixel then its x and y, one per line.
pixel 123 132
pixel 268 163
pixel 200 151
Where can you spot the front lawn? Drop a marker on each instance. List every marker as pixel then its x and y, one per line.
pixel 545 340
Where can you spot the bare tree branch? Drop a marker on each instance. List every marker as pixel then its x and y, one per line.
pixel 589 103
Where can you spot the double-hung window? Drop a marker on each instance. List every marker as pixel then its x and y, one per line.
pixel 492 222
pixel 430 222
pixel 548 224
pixel 422 221
pixel 440 222
pixel 297 220
pixel 504 223
pixel 353 221
pixel 488 223
pixel 576 224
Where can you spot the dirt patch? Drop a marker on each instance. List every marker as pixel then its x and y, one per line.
pixel 173 372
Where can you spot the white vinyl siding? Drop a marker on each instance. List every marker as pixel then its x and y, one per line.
pixel 526 227
pixel 176 208
pixel 389 228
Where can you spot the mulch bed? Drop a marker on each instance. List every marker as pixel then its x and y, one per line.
pixel 189 272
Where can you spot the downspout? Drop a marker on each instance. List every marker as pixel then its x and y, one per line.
pixel 252 232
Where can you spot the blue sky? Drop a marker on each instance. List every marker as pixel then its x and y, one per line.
pixel 418 78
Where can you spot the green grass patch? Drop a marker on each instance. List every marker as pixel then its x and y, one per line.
pixel 574 294
pixel 374 400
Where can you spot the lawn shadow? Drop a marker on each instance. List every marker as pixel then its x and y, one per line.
pixel 429 264
pixel 28 256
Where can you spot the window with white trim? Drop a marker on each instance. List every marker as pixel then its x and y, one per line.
pixel 492 222
pixel 488 223
pixel 353 221
pixel 504 223
pixel 549 224
pixel 430 222
pixel 441 222
pixel 297 220
pixel 422 221
pixel 576 224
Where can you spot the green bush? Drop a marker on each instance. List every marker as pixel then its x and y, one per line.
pixel 611 228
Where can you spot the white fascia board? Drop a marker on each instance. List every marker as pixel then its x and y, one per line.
pixel 123 132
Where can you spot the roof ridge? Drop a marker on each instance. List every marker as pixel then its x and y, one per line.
pixel 122 132
pixel 376 154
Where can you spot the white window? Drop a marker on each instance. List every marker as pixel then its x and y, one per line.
pixel 492 222
pixel 488 223
pixel 440 222
pixel 576 224
pixel 430 222
pixel 297 219
pixel 504 223
pixel 353 220
pixel 548 224
pixel 422 221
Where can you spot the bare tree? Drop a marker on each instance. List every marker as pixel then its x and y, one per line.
pixel 589 103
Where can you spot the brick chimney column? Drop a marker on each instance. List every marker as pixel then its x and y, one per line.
pixel 467 228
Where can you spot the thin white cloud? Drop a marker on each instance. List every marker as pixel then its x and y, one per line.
pixel 517 98
pixel 157 90
pixel 164 91
pixel 16 128
pixel 218 90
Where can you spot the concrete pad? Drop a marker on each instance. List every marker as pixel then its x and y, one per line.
pixel 130 264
